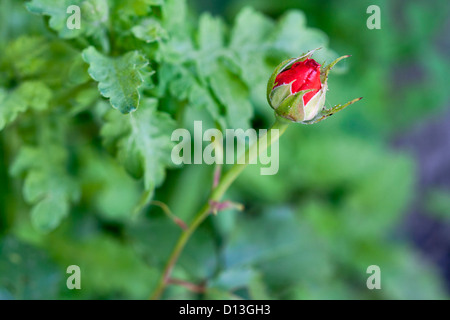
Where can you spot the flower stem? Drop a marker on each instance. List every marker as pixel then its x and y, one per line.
pixel 262 144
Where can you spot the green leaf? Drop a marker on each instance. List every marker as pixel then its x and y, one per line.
pixel 232 279
pixel 119 78
pixel 292 37
pixel 275 245
pixel 174 17
pixel 257 288
pixel 185 86
pixel 35 94
pixel 93 14
pixel 250 44
pixel 47 186
pixel 27 272
pixel 48 213
pixel 37 58
pixel 30 94
pixel 108 266
pixel 210 33
pixel 113 193
pixel 25 56
pixel 237 279
pixel 199 259
pixel 146 235
pixel 149 30
pixel 210 42
pixel 143 141
pixel 234 95
pixel 135 7
pixel 250 31
pixel 9 108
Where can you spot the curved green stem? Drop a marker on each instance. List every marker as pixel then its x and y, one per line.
pixel 273 135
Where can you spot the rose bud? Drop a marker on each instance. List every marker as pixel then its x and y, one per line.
pixel 297 88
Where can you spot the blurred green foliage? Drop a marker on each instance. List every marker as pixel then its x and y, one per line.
pixel 77 175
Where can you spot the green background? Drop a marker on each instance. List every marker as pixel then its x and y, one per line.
pixel 369 186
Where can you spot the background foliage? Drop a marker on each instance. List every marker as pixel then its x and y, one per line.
pixel 78 170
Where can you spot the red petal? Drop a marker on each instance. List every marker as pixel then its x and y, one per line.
pixel 305 75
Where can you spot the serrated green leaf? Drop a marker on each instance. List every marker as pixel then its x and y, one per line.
pixel 9 109
pixel 149 30
pixel 30 94
pixel 37 58
pixel 119 78
pixel 93 14
pixel 185 86
pixel 143 141
pixel 25 55
pixel 47 186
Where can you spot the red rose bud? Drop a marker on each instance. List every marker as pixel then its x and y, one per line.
pixel 297 88
pixel 303 75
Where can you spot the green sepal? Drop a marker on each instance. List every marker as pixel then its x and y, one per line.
pixel 329 112
pixel 278 94
pixel 277 70
pixel 315 105
pixel 292 107
pixel 327 69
